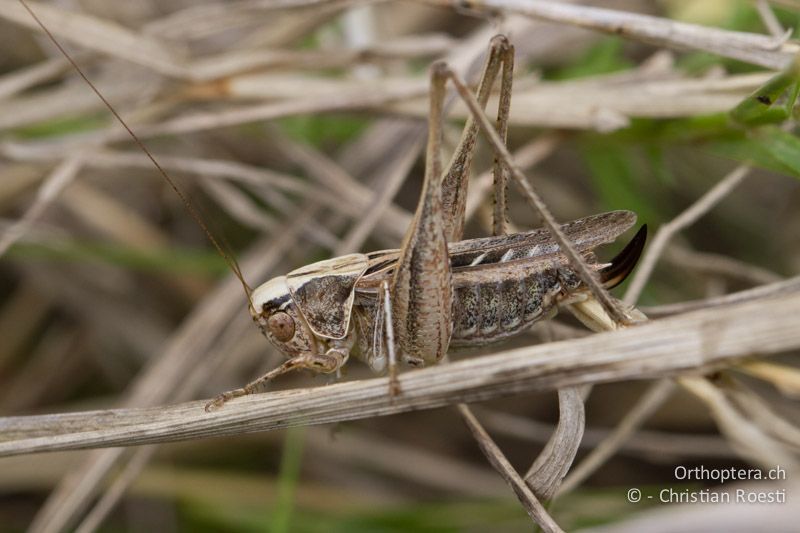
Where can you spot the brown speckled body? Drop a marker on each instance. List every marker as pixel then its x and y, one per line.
pixel 487 309
pixel 500 285
pixel 492 310
pixel 411 304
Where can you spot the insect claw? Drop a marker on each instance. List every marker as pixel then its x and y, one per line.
pixel 215 404
pixel 440 69
pixel 220 400
pixel 499 41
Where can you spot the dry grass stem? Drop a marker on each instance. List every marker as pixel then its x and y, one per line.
pixel 643 443
pixel 688 217
pixel 551 466
pixel 529 501
pixel 655 396
pixel 785 378
pixel 769 19
pixel 70 508
pixel 158 382
pixel 109 216
pixel 719 265
pixel 396 170
pixel 526 157
pixel 746 437
pixel 763 415
pixel 351 201
pixel 584 104
pixel 594 103
pixel 198 121
pixel 96 34
pixel 692 342
pixel 14 82
pixel 99 511
pixel 236 62
pixel 113 291
pixel 757 293
pixel 763 50
pixel 548 470
pixel 52 186
pixel 352 449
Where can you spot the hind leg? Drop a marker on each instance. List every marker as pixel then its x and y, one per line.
pixel 421 291
pixel 421 288
pixel 456 176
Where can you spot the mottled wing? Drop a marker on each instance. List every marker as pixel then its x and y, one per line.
pixel 324 293
pixel 585 234
pixel 514 265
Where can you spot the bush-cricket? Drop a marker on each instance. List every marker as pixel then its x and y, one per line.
pixel 411 304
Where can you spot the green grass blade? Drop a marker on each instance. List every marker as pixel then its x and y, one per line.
pixel 287 483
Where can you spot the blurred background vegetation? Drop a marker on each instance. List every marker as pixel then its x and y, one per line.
pixel 287 128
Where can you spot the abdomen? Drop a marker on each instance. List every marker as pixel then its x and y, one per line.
pixel 491 310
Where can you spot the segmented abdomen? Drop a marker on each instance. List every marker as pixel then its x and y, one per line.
pixel 491 310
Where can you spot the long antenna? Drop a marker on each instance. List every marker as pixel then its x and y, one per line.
pixel 228 257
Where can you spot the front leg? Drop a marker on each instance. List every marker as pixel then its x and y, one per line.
pixel 329 362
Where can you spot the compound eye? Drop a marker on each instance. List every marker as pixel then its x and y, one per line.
pixel 281 325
